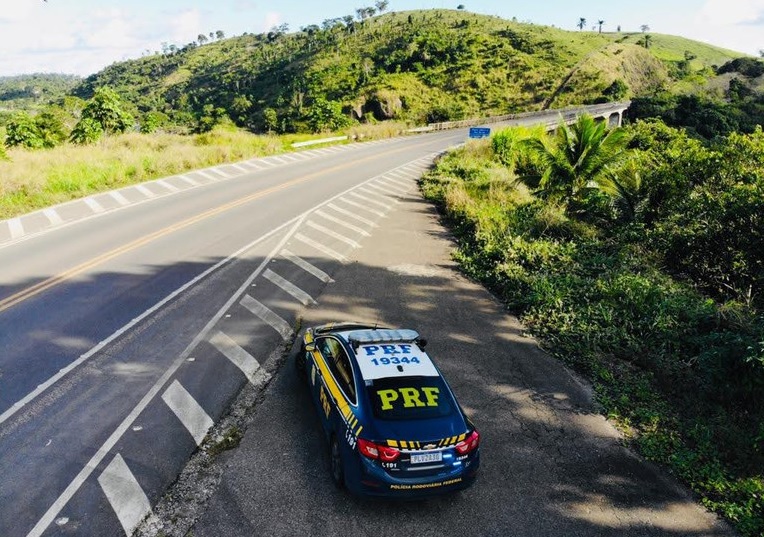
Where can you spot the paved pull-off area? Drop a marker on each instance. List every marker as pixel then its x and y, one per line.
pixel 551 465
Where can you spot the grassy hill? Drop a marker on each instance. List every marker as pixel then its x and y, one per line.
pixel 416 66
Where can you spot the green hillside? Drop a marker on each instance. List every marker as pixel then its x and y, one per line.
pixel 30 91
pixel 417 66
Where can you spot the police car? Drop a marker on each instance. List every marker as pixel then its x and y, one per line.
pixel 393 424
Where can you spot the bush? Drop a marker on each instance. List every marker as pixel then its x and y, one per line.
pixel 22 131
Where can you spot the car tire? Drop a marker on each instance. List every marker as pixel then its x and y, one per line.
pixel 300 361
pixel 336 470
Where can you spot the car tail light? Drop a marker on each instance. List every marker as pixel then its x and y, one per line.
pixel 468 444
pixel 374 451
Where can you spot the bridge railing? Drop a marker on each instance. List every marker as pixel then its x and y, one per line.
pixel 549 118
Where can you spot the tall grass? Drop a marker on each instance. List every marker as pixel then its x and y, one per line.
pixel 32 180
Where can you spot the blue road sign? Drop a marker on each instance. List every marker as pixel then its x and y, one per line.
pixel 480 132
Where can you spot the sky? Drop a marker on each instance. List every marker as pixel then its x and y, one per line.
pixel 83 36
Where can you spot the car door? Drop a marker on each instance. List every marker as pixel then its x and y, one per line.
pixel 337 392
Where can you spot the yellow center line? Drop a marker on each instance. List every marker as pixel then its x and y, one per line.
pixel 44 285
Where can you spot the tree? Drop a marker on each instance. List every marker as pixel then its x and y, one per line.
pixel 105 108
pixel 202 39
pixel 648 39
pixel 618 29
pixel 326 115
pixel 571 163
pixel 581 23
pixel 219 34
pixel 381 5
pixel 87 131
pixel 21 131
pixel 644 28
pixel 460 7
pixel 270 120
pixel 600 23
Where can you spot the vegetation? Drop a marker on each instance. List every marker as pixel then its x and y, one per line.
pixel 660 300
pixel 416 66
pixel 716 112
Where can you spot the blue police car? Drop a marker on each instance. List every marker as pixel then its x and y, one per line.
pixel 393 424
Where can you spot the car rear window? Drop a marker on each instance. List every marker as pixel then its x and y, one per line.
pixel 410 398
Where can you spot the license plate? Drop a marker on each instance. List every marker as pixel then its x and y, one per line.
pixel 419 458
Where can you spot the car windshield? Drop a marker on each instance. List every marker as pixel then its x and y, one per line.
pixel 400 398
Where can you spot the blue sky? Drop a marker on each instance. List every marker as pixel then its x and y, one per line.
pixel 83 36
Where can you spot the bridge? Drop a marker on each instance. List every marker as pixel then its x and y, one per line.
pixel 610 112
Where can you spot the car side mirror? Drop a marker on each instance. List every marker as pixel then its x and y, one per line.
pixel 421 343
pixel 310 347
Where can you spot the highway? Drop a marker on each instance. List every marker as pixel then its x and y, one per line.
pixel 130 321
pixel 133 321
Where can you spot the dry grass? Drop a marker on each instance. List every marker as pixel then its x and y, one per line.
pixel 35 179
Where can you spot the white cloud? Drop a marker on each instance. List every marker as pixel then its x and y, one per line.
pixel 271 19
pixel 726 12
pixel 186 26
pixel 734 24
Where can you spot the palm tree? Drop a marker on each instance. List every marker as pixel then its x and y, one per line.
pixel 600 23
pixel 581 23
pixel 573 161
pixel 625 187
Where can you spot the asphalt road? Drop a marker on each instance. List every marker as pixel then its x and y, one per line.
pixel 551 464
pixel 131 320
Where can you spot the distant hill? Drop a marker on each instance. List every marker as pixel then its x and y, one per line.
pixel 27 92
pixel 419 66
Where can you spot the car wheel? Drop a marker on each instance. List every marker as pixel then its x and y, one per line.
pixel 335 464
pixel 300 361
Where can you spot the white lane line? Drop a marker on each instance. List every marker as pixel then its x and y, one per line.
pixel 110 442
pixel 401 178
pixel 124 494
pixel 333 234
pixel 169 186
pixel 145 191
pixel 16 228
pixel 320 247
pixel 221 173
pixel 240 168
pixel 119 198
pixel 94 205
pixel 189 412
pixel 367 199
pixel 389 187
pixel 369 191
pixel 62 372
pixel 400 184
pixel 307 267
pixel 288 287
pixel 336 220
pixel 363 207
pixel 191 181
pixel 378 189
pixel 350 214
pixel 207 175
pixel 240 358
pixel 52 216
pixel 267 315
